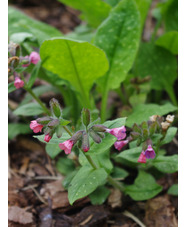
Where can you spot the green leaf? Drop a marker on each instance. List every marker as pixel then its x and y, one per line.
pixel 19 22
pixel 142 112
pixel 160 64
pixel 112 2
pixel 11 87
pixel 169 41
pixel 166 164
pixel 72 63
pixel 137 99
pixel 131 155
pixel 171 132
pixel 119 37
pixel 52 149
pixel 173 190
pixel 21 37
pixel 34 74
pixel 29 109
pixel 15 129
pixel 119 173
pixel 68 179
pixel 55 139
pixel 65 166
pixel 99 196
pixel 144 187
pixel 85 182
pixel 93 11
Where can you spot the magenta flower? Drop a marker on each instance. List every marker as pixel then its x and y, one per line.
pixel 34 57
pixel 119 133
pixel 66 146
pixel 142 158
pixel 35 126
pixel 47 138
pixel 150 153
pixel 18 83
pixel 120 144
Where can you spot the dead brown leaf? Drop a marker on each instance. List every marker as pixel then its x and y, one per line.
pixel 160 212
pixel 115 198
pixel 17 214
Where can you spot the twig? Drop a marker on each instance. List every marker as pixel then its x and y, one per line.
pixel 47 178
pixel 134 218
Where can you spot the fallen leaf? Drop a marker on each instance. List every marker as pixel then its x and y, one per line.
pixel 115 198
pixel 17 214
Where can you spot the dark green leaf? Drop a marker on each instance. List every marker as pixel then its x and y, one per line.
pixel 65 166
pixel 171 132
pixel 119 173
pixel 173 190
pixel 15 129
pixel 166 164
pixel 144 187
pixel 34 74
pixel 68 179
pixel 131 155
pixel 99 196
pixel 29 109
pixel 52 149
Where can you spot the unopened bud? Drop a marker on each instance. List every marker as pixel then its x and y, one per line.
pixel 85 115
pixel 99 128
pixel 145 133
pixel 144 125
pixel 59 131
pixel 43 120
pixel 165 125
pixel 136 128
pixel 85 142
pixel 53 123
pixel 135 135
pixel 55 107
pixel 95 136
pixel 77 136
pixel 152 128
pixel 170 118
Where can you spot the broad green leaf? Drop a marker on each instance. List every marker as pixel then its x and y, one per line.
pixel 160 64
pixel 112 2
pixel 65 166
pixel 99 196
pixel 85 182
pixel 21 37
pixel 142 112
pixel 173 190
pixel 29 109
pixel 171 15
pixel 19 22
pixel 171 132
pixel 166 164
pixel 169 41
pixel 93 11
pixel 137 99
pixel 119 173
pixel 109 140
pixel 55 139
pixel 52 149
pixel 78 62
pixel 131 155
pixel 68 179
pixel 119 37
pixel 11 87
pixel 15 129
pixel 144 187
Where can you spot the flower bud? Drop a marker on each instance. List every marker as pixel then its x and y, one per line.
pixel 85 116
pixel 152 128
pixel 153 118
pixel 53 123
pixel 55 107
pixel 85 142
pixel 165 125
pixel 18 83
pixel 170 118
pixel 99 128
pixel 95 136
pixel 135 135
pixel 34 57
pixel 144 125
pixel 145 133
pixel 43 120
pixel 77 136
pixel 136 128
pixel 59 131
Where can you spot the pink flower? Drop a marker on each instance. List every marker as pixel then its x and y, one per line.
pixel 67 146
pixel 142 158
pixel 34 57
pixel 18 83
pixel 120 144
pixel 35 126
pixel 85 149
pixel 47 138
pixel 119 133
pixel 150 153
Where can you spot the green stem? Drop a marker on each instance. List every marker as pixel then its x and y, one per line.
pixel 67 130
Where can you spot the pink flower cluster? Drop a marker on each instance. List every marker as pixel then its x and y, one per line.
pixel 18 83
pixel 149 153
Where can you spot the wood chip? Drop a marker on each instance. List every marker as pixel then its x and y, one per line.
pixel 115 198
pixel 17 214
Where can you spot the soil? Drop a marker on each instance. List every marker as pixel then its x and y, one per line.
pixel 36 195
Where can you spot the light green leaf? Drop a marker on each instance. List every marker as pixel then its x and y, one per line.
pixel 68 179
pixel 99 196
pixel 160 64
pixel 29 109
pixel 21 37
pixel 119 173
pixel 166 164
pixel 19 22
pixel 93 11
pixel 55 139
pixel 131 155
pixel 78 62
pixel 169 41
pixel 171 132
pixel 112 2
pixel 137 99
pixel 65 166
pixel 15 129
pixel 144 187
pixel 142 112
pixel 11 87
pixel 173 190
pixel 34 74
pixel 52 149
pixel 119 37
pixel 85 182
